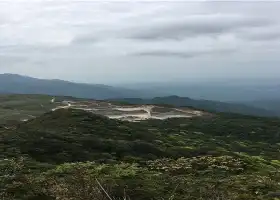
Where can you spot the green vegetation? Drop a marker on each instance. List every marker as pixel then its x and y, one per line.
pixel 20 107
pixel 72 154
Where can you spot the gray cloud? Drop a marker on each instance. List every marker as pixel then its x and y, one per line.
pixel 181 28
pixel 268 33
pixel 85 40
pixel 103 42
pixel 180 54
pixel 166 53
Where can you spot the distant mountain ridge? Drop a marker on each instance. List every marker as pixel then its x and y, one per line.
pixel 215 106
pixel 17 84
pixel 226 91
pixel 273 105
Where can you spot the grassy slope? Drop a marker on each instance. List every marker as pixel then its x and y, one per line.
pixel 19 107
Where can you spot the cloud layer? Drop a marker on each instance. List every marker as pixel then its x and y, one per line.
pixel 97 41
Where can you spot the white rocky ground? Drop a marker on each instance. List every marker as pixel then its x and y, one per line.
pixel 129 113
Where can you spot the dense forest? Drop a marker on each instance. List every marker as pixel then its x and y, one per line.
pixel 73 154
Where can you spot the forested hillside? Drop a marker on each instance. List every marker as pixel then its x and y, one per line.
pixel 73 154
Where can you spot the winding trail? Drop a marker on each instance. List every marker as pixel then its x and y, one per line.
pixel 147 109
pixel 63 107
pixel 194 112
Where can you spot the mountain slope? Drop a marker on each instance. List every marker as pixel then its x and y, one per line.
pixel 231 157
pixel 69 153
pixel 215 106
pixel 68 135
pixel 16 84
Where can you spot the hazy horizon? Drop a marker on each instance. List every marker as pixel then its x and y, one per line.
pixel 135 42
pixel 143 83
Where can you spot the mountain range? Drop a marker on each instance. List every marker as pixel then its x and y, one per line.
pixel 17 84
pixel 228 90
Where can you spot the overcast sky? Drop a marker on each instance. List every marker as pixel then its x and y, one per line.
pixel 114 42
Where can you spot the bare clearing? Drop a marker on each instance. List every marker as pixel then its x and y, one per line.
pixel 132 113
